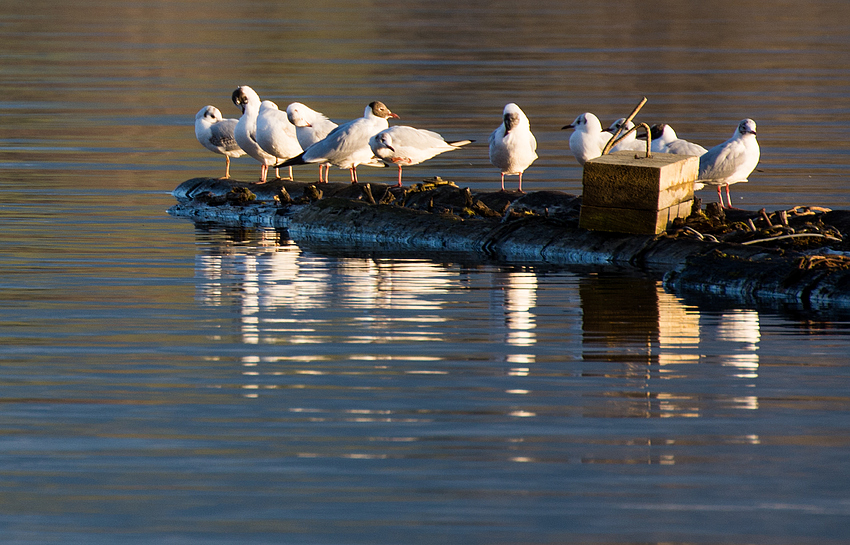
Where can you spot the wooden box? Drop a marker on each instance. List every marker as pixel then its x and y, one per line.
pixel 625 192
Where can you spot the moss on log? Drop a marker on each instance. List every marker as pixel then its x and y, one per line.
pixel 796 255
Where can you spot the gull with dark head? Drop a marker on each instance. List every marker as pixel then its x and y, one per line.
pixel 629 142
pixel 347 146
pixel 216 134
pixel 246 129
pixel 401 145
pixel 664 140
pixel 310 127
pixel 588 139
pixel 512 146
pixel 732 161
pixel 275 134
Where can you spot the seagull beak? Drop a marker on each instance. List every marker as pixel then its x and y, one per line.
pixel 570 126
pixel 394 116
pixel 392 149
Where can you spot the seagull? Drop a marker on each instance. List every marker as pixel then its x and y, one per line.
pixel 664 140
pixel 732 161
pixel 588 140
pixel 275 134
pixel 347 146
pixel 402 145
pixel 310 127
pixel 246 129
pixel 216 134
pixel 512 146
pixel 630 141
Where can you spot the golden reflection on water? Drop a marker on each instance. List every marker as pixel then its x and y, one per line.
pixel 290 297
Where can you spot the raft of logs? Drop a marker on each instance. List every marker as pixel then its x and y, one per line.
pixel 800 255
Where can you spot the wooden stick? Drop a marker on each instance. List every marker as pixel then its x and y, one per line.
pixel 626 122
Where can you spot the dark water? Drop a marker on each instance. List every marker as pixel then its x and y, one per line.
pixel 162 382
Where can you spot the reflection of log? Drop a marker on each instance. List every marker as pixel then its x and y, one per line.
pixel 538 227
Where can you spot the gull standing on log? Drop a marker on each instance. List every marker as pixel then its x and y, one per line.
pixel 276 135
pixel 588 139
pixel 347 146
pixel 310 127
pixel 512 146
pixel 246 129
pixel 216 134
pixel 402 145
pixel 732 161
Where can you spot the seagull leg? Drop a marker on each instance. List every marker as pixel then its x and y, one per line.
pixel 399 175
pixel 321 172
pixel 327 173
pixel 719 194
pixel 264 170
pixel 226 166
pixel 291 179
pixel 503 181
pixel 520 183
pixel 353 172
pixel 728 198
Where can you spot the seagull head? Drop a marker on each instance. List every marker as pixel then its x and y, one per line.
pixel 386 141
pixel 746 126
pixel 208 112
pixel 296 115
pixel 379 109
pixel 513 116
pixel 586 122
pixel 243 95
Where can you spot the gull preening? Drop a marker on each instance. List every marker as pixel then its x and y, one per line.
pixel 347 146
pixel 216 134
pixel 732 161
pixel 246 129
pixel 588 139
pixel 512 146
pixel 310 127
pixel 402 145
pixel 275 134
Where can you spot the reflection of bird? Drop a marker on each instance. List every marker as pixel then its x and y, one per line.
pixel 628 142
pixel 512 146
pixel 275 134
pixel 732 161
pixel 402 145
pixel 246 129
pixel 588 139
pixel 216 134
pixel 310 127
pixel 664 140
pixel 347 146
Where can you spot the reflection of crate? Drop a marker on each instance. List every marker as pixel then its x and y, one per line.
pixel 625 192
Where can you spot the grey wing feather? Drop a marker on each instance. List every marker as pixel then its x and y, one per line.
pixel 221 134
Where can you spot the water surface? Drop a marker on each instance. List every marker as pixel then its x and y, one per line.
pixel 164 382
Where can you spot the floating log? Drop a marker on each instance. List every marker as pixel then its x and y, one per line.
pixel 706 253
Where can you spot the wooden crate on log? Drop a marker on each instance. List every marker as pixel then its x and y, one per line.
pixel 625 192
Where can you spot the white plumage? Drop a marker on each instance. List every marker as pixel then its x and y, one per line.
pixel 402 145
pixel 310 127
pixel 512 146
pixel 275 134
pixel 732 161
pixel 216 134
pixel 246 129
pixel 588 139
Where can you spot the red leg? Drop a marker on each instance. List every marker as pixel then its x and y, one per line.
pixel 264 170
pixel 399 175
pixel 520 182
pixel 227 166
pixel 719 194
pixel 728 198
pixel 503 181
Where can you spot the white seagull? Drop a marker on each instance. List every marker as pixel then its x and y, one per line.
pixel 347 146
pixel 588 139
pixel 246 130
pixel 275 134
pixel 630 141
pixel 310 127
pixel 216 134
pixel 401 145
pixel 732 161
pixel 512 146
pixel 664 140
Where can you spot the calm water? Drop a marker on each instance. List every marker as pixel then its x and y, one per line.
pixel 162 382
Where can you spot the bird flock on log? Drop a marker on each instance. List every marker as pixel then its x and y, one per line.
pixel 300 135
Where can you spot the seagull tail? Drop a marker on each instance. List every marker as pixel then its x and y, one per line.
pixel 297 160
